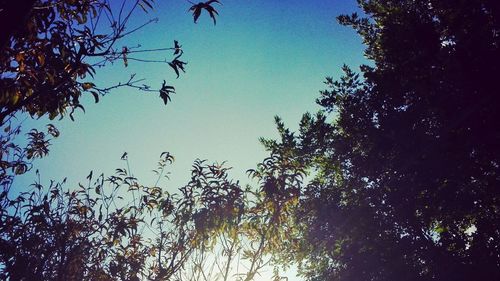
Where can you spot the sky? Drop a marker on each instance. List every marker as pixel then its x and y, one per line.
pixel 262 58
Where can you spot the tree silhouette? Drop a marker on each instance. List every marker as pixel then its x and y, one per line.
pixel 403 162
pixel 116 228
pixel 48 56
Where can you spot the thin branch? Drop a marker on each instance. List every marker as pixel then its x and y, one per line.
pixel 144 60
pixel 130 83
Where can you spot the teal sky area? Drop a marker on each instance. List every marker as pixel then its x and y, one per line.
pixel 263 58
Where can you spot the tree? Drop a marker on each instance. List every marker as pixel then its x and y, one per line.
pixel 404 162
pixel 239 246
pixel 50 50
pixel 115 228
pixel 49 53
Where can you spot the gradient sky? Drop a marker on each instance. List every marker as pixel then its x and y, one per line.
pixel 263 58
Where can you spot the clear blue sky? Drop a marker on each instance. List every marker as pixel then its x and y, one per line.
pixel 263 58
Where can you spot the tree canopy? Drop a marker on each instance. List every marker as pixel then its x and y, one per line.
pixel 403 161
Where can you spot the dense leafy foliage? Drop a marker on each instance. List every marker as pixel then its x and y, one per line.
pixel 115 228
pixel 404 171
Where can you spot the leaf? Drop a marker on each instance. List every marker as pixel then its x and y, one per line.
pixel 15 98
pixel 20 169
pixel 145 5
pixel 176 65
pixel 41 59
pixel 167 157
pixel 440 229
pixel 96 96
pixel 177 47
pixel 100 213
pixel 52 130
pixel 197 8
pixel 165 92
pixel 211 10
pixel 87 85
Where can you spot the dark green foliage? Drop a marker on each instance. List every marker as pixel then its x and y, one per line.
pixel 405 179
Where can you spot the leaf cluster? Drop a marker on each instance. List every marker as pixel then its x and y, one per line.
pixel 196 9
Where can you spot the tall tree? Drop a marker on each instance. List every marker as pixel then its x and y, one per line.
pixel 404 171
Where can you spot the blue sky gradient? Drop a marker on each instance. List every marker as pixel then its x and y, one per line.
pixel 263 58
